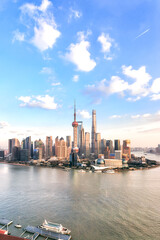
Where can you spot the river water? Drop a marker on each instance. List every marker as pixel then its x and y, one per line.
pixel 95 206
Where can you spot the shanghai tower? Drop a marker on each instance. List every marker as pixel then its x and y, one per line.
pixel 93 140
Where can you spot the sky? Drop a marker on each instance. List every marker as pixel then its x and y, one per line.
pixel 105 54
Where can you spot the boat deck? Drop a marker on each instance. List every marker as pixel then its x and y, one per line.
pixel 46 233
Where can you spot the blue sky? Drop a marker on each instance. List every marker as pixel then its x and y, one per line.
pixel 105 54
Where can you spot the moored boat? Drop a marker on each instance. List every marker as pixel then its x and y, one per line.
pixel 5 232
pixel 18 226
pixel 55 227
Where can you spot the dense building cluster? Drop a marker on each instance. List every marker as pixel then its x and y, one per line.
pixel 82 145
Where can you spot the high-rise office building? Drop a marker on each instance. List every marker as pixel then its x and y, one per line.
pixel 82 145
pixel 69 141
pixel 103 145
pixel 16 153
pixel 39 144
pixel 87 144
pixel 81 138
pixel 28 146
pixel 1 154
pixel 23 144
pixel 109 143
pixel 60 148
pixel 24 155
pixel 127 148
pixel 14 142
pixel 37 154
pixel 49 144
pixel 69 145
pixel 107 152
pixel 93 134
pixel 98 144
pixel 32 150
pixel 79 128
pixel 117 145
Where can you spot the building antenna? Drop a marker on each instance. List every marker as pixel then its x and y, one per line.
pixel 74 110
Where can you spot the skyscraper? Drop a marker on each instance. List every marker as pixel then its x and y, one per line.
pixel 39 144
pixel 60 148
pixel 93 140
pixel 49 147
pixel 109 143
pixel 127 148
pixel 14 142
pixel 81 138
pixel 69 145
pixel 98 144
pixel 117 145
pixel 68 141
pixel 103 145
pixel 87 144
pixel 28 145
pixel 82 142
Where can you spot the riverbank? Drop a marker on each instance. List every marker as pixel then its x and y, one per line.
pixel 131 166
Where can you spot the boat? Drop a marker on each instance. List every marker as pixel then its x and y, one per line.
pixel 98 168
pixel 111 171
pixel 18 225
pixel 55 227
pixel 5 232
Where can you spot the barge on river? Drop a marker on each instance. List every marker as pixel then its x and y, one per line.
pixel 47 234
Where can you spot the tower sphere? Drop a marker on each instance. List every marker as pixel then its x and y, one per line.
pixel 75 124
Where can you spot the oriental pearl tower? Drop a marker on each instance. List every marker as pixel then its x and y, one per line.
pixel 75 125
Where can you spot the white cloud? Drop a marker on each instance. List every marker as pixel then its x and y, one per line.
pixel 116 85
pixel 18 36
pixel 45 35
pixel 130 99
pixel 46 70
pixel 44 5
pixel 25 99
pixel 136 86
pixel 56 84
pixel 155 97
pixel 45 102
pixel 106 42
pixel 80 56
pixel 146 115
pixel 75 78
pixel 45 28
pixel 84 114
pixel 155 88
pixel 115 116
pixel 74 14
pixel 141 79
pixel 136 116
pixel 31 9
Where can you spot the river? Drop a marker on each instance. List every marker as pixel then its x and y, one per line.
pixel 95 206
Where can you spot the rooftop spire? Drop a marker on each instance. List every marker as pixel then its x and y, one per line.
pixel 74 110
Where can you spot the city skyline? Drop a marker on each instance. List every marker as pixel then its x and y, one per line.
pixel 103 54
